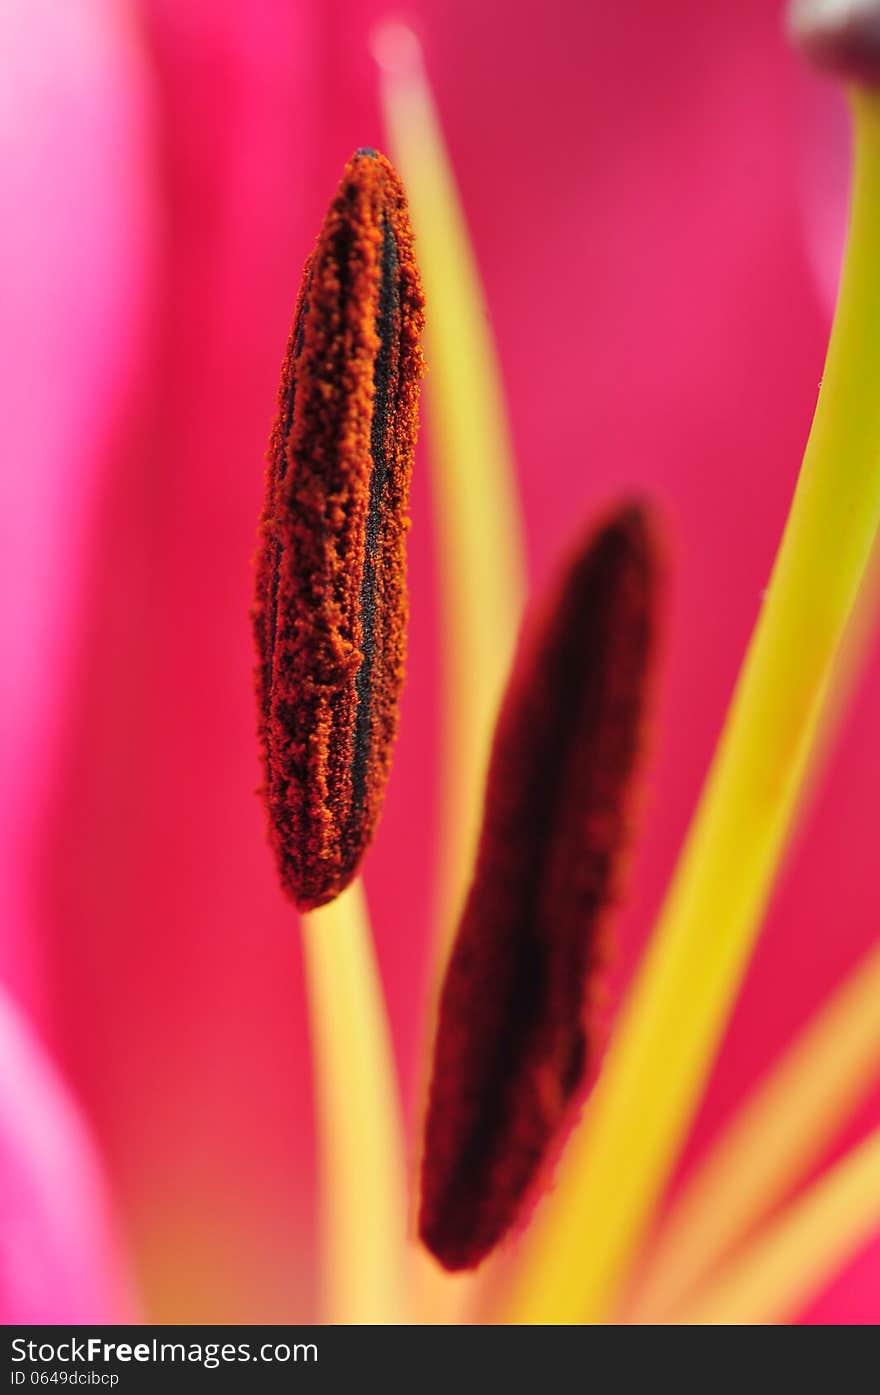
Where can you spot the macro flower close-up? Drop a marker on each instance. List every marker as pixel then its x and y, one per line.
pixel 439 594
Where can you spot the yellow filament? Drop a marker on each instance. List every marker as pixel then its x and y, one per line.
pixel 778 1135
pixel 618 1160
pixel 363 1180
pixel 850 664
pixel 480 552
pixel 797 1254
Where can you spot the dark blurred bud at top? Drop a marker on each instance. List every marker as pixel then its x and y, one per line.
pixel 841 36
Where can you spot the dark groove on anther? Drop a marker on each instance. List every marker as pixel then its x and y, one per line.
pixel 383 411
pixel 518 1032
pixel 330 612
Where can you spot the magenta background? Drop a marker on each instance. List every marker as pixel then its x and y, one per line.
pixel 654 195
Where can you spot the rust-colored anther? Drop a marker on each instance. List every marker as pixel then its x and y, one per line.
pixel 331 608
pixel 518 1033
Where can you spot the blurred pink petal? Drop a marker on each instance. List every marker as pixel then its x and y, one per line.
pixel 59 1260
pixel 854 1296
pixel 74 254
pixel 823 168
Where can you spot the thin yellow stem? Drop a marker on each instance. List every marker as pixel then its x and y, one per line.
pixel 619 1159
pixel 480 550
pixel 363 1178
pixel 850 664
pixel 798 1253
pixel 775 1139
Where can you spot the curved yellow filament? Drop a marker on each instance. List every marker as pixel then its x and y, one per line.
pixel 778 1135
pixel 616 1164
pixel 362 1173
pixel 799 1252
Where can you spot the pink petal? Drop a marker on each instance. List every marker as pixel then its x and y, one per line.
pixel 74 252
pixel 59 1260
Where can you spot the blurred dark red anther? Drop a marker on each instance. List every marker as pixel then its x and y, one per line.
pixel 517 1032
pixel 331 608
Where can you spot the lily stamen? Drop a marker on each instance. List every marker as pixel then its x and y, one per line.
pixel 517 1033
pixel 331 605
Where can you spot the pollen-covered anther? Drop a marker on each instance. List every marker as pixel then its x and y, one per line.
pixel 518 1031
pixel 331 609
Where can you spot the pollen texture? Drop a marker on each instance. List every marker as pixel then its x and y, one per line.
pixel 518 1030
pixel 331 608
